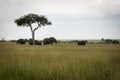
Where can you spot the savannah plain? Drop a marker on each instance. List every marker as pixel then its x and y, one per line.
pixel 63 61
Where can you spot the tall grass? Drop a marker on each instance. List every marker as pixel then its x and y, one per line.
pixel 59 62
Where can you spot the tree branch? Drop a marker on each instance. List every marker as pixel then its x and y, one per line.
pixel 37 27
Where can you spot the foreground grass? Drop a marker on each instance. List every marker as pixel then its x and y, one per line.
pixel 59 62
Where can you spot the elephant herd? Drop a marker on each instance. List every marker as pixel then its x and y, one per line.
pixel 46 41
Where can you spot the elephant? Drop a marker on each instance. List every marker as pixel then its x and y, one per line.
pixel 81 43
pixel 49 40
pixel 53 40
pixel 46 41
pixel 115 42
pixel 36 42
pixel 21 41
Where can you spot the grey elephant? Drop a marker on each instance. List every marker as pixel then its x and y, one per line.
pixel 36 42
pixel 81 43
pixel 49 40
pixel 21 41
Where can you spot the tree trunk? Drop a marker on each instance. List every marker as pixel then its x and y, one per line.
pixel 33 33
pixel 33 37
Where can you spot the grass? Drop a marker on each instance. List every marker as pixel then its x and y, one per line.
pixel 64 61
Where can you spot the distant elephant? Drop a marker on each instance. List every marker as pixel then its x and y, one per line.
pixel 46 41
pixel 81 43
pixel 36 42
pixel 50 40
pixel 115 42
pixel 53 40
pixel 21 41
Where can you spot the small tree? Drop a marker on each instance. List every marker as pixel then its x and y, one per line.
pixel 31 20
pixel 102 39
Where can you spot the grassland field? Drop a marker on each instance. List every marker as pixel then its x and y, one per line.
pixel 64 61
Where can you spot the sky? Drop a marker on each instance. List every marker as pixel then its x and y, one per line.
pixel 71 19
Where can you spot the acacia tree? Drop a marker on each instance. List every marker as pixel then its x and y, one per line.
pixel 32 20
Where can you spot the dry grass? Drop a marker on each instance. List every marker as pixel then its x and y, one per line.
pixel 59 62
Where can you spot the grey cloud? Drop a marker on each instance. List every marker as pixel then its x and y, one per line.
pixel 83 8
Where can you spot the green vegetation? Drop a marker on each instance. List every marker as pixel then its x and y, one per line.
pixel 64 61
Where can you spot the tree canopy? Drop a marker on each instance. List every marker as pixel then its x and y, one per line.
pixel 29 19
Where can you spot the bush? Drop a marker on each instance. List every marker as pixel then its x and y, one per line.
pixel 110 41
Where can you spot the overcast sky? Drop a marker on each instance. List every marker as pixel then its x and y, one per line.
pixel 71 19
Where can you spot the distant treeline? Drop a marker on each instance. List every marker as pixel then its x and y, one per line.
pixel 102 41
pixel 110 41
